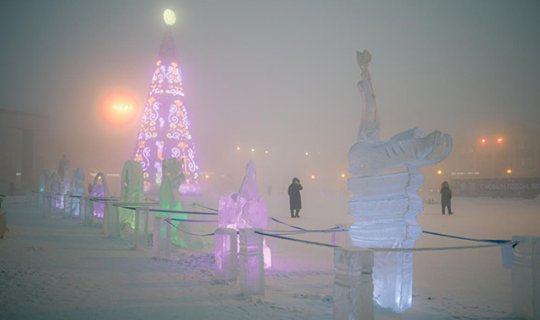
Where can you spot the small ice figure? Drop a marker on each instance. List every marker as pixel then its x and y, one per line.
pixel 131 192
pixel 55 188
pixel 384 182
pixel 245 209
pixel 77 189
pixel 99 190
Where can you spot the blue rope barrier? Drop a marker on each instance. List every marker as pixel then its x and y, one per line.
pixel 191 220
pixel 297 240
pixel 172 211
pixel 466 238
pixel 187 232
pixel 202 206
pixel 183 212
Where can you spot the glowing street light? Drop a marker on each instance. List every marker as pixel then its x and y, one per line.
pixel 313 177
pixel 307 153
pixel 500 140
pixel 252 149
pixel 483 141
pixel 439 172
pixel 508 171
pixel 343 175
pixel 237 148
pixel 169 17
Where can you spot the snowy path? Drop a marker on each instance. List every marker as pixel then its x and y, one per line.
pixel 55 268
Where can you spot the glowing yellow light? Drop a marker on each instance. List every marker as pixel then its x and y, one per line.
pixel 252 149
pixel 169 17
pixel 118 107
pixel 499 140
pixel 483 141
pixel 343 175
pixel 313 177
pixel 439 172
pixel 238 148
pixel 206 176
pixel 508 171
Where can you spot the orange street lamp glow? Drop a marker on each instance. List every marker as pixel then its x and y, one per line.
pixel 313 177
pixel 118 108
pixel 483 141
pixel 238 148
pixel 439 172
pixel 508 171
pixel 500 140
pixel 343 175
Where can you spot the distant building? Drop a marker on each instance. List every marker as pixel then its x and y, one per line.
pixel 23 145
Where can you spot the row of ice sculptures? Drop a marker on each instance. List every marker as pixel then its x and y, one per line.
pixel 384 182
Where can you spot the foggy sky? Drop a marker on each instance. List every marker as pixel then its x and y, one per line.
pixel 278 75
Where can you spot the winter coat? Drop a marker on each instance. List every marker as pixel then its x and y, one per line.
pixel 446 195
pixel 295 200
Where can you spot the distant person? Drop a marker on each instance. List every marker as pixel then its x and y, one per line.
pixel 446 197
pixel 295 200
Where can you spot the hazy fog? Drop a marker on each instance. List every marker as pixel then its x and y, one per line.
pixel 273 75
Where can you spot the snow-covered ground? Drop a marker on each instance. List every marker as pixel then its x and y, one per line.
pixel 55 268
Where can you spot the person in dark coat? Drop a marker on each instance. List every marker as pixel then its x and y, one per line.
pixel 446 197
pixel 295 200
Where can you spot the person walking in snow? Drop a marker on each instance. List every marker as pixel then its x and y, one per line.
pixel 446 197
pixel 295 199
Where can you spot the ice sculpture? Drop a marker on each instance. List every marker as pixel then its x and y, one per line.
pixel 65 183
pixel 77 190
pixel 132 191
pixel 169 199
pixel 384 182
pixel 99 190
pixel 44 187
pixel 55 187
pixel 245 209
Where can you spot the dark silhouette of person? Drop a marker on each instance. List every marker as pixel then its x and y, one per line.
pixel 446 197
pixel 295 200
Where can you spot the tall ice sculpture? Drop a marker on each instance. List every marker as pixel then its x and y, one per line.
pixel 384 182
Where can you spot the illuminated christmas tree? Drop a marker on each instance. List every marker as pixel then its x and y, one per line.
pixel 164 131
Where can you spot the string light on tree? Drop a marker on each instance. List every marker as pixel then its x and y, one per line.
pixel 165 127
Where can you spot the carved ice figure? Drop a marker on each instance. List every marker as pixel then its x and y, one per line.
pixel 99 190
pixel 77 189
pixel 369 121
pixel 384 182
pixel 63 173
pixel 44 181
pixel 245 209
pixel 55 188
pixel 169 199
pixel 132 191
pixel 44 187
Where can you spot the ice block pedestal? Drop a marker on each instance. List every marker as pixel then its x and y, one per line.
pixel 251 262
pixel 526 277
pixel 353 284
pixel 226 253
